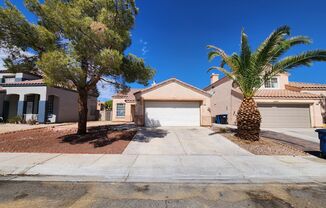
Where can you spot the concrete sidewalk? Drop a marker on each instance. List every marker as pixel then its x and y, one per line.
pixel 162 168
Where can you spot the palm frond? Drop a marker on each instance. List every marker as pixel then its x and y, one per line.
pixel 219 52
pixel 285 45
pixel 224 71
pixel 263 52
pixel 212 55
pixel 245 49
pixel 273 38
pixel 251 69
pixel 234 57
pixel 296 40
pixel 303 59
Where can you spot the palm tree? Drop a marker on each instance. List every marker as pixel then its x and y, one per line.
pixel 249 70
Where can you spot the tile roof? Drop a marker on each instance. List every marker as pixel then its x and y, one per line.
pixel 25 82
pixel 129 96
pixel 309 86
pixel 280 93
pixel 283 93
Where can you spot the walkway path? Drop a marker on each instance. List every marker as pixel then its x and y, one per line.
pixel 9 128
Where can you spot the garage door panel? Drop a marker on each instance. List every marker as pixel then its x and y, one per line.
pixel 172 113
pixel 285 115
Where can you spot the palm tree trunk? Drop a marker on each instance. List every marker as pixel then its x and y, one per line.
pixel 82 112
pixel 248 120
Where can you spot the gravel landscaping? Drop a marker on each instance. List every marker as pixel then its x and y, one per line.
pixel 9 128
pixel 61 139
pixel 265 146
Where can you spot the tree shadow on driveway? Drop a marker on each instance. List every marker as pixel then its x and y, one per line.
pixel 146 134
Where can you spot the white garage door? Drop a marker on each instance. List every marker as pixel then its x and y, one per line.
pixel 172 113
pixel 285 115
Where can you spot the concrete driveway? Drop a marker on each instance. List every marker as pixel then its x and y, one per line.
pixel 181 141
pixel 308 134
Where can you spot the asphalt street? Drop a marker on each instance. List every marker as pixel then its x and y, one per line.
pixel 15 194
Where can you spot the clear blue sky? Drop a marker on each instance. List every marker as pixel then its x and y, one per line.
pixel 172 35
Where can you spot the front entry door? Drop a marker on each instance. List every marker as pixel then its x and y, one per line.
pixel 5 110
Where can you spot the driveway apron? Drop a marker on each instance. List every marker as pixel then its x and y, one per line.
pixel 181 141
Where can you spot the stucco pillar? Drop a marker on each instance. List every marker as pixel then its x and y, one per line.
pixel 317 115
pixel 41 111
pixel 20 105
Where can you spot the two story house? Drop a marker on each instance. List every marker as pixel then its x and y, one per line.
pixel 27 96
pixel 281 103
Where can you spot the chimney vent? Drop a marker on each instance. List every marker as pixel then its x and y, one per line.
pixel 214 78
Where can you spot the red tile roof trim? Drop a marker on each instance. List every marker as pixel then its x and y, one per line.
pixel 308 86
pixel 284 93
pixel 278 93
pixel 129 96
pixel 25 83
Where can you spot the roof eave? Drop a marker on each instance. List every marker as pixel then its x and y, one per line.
pixel 288 98
pixel 22 85
pixel 161 84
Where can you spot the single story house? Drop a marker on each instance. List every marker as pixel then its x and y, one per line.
pixel 124 105
pixel 280 102
pixel 169 103
pixel 27 95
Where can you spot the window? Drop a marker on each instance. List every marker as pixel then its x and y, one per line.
pixel 9 79
pixel 93 110
pixel 31 104
pixel 121 109
pixel 271 83
pixel 50 104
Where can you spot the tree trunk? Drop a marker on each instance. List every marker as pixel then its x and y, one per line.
pixel 82 111
pixel 248 120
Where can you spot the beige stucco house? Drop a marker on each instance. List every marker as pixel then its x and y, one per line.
pixel 169 103
pixel 123 106
pixel 281 103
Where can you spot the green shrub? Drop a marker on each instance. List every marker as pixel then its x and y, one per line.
pixel 223 130
pixel 32 121
pixel 15 120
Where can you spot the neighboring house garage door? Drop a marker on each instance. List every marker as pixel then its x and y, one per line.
pixel 172 113
pixel 285 115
